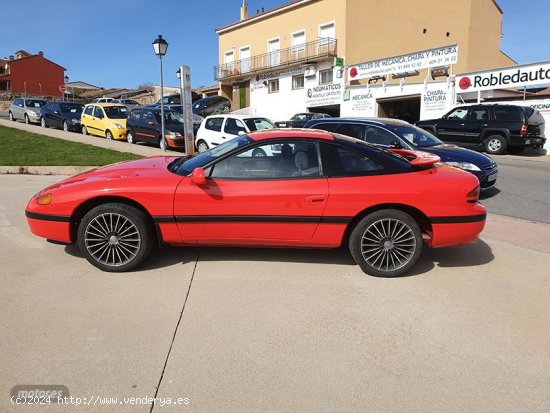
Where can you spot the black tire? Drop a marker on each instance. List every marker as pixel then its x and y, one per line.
pixel 115 237
pixel 84 130
pixel 109 134
pixel 258 152
pixel 225 109
pixel 495 144
pixel 27 120
pixel 386 243
pixel 130 137
pixel 10 115
pixel 65 126
pixel 202 146
pixel 43 122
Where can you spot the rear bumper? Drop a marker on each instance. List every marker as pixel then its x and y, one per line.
pixel 450 231
pixel 532 141
pixel 54 227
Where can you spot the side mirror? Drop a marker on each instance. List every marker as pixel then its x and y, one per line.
pixel 198 177
pixel 241 133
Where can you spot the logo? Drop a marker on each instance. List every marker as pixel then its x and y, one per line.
pixel 353 72
pixel 465 83
pixel 309 93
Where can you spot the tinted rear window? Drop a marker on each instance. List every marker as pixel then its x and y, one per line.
pixel 508 114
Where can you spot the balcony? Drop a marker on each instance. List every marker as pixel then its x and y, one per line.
pixel 315 51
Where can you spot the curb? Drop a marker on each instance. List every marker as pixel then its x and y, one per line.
pixel 44 170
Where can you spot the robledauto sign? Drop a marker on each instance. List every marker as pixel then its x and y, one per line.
pixel 440 56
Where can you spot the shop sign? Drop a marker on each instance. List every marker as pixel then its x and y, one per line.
pixel 435 101
pixel 260 81
pixel 324 95
pixel 519 76
pixel 440 56
pixel 359 102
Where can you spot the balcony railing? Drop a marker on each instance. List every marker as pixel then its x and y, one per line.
pixel 314 51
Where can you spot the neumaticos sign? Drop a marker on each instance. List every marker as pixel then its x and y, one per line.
pixel 520 76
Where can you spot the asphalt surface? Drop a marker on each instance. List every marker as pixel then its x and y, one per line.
pixel 242 330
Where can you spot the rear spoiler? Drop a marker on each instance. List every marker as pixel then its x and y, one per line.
pixel 417 158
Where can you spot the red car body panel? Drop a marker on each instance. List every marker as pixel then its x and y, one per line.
pixel 301 212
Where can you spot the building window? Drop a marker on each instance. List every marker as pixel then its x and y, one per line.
pixel 244 55
pixel 273 86
pixel 325 77
pixel 298 82
pixel 273 46
pixel 298 42
pixel 327 33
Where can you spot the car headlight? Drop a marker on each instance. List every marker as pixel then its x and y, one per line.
pixel 75 121
pixel 117 125
pixel 465 165
pixel 173 134
pixel 34 114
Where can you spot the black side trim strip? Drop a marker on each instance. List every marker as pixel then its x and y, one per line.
pixel 48 217
pixel 458 219
pixel 253 218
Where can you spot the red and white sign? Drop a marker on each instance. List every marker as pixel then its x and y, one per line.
pixel 510 77
pixel 62 88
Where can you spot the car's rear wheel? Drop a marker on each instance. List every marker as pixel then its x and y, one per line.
pixel 130 137
pixel 11 116
pixel 202 146
pixel 495 144
pixel 84 130
pixel 386 243
pixel 65 126
pixel 43 122
pixel 225 109
pixel 27 120
pixel 109 135
pixel 258 152
pixel 115 237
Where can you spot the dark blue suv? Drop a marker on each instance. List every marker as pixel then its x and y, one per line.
pixel 394 133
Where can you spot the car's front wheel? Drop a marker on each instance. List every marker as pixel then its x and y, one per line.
pixel 65 126
pixel 495 145
pixel 115 237
pixel 27 120
pixel 109 135
pixel 202 146
pixel 43 122
pixel 386 243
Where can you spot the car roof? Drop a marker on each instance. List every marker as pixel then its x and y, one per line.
pixel 366 120
pixel 267 134
pixel 236 116
pixel 105 105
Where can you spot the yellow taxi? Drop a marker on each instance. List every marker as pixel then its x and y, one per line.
pixel 104 119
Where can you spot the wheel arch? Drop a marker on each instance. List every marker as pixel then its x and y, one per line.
pixel 421 219
pixel 505 133
pixel 86 206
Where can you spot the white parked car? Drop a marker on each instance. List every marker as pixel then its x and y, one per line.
pixel 217 129
pixel 102 100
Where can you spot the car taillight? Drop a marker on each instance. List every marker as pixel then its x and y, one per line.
pixel 473 196
pixel 523 131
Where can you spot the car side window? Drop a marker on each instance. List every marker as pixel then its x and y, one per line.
pixel 458 114
pixel 136 115
pixel 479 114
pixel 89 110
pixel 214 124
pixel 329 127
pixel 271 161
pixel 98 112
pixel 508 113
pixel 352 129
pixel 233 126
pixel 340 161
pixel 380 136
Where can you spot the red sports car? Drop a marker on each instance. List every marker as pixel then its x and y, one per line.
pixel 308 189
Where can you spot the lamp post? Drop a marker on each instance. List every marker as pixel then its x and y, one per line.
pixel 184 75
pixel 66 81
pixel 160 46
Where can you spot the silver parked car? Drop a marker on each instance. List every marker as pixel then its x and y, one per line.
pixel 26 109
pixel 129 103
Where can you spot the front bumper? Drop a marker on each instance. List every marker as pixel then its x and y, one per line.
pixel 53 227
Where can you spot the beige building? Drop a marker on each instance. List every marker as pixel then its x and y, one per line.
pixel 284 59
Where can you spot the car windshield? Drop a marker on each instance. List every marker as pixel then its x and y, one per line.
pixel 171 117
pixel 184 166
pixel 302 116
pixel 415 136
pixel 32 103
pixel 254 124
pixel 71 108
pixel 116 112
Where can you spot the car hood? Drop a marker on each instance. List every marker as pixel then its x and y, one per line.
pixel 453 153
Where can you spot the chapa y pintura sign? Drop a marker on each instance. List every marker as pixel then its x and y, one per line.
pixel 440 56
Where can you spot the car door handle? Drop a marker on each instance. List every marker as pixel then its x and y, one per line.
pixel 462 124
pixel 316 199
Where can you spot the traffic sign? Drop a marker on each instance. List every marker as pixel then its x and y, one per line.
pixel 62 88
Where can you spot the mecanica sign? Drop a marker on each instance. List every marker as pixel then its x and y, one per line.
pixel 511 77
pixel 440 56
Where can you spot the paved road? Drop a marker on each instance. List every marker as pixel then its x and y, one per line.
pixel 277 330
pixel 522 190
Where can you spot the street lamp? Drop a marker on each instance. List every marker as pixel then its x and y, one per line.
pixel 160 46
pixel 66 81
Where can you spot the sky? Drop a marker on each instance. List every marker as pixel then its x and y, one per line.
pixel 108 43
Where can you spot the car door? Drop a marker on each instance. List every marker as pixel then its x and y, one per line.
pixel 18 108
pixel 56 117
pixel 275 198
pixel 450 128
pixel 213 131
pixel 98 121
pixel 148 127
pixel 477 119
